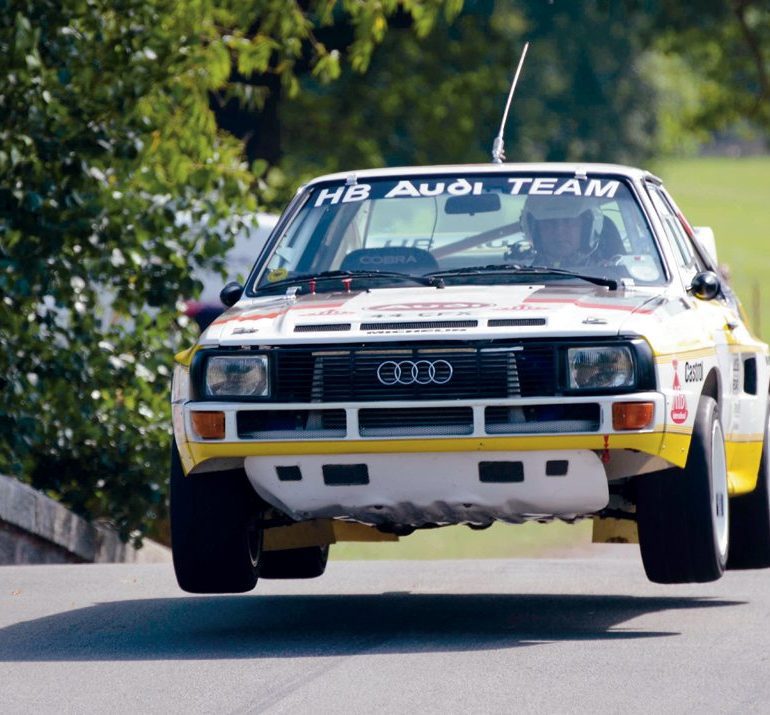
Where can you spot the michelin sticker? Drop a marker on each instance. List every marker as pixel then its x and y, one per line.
pixel 515 186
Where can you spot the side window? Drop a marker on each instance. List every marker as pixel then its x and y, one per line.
pixel 701 263
pixel 686 257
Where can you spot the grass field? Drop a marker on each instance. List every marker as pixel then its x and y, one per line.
pixel 733 197
pixel 730 195
pixel 499 541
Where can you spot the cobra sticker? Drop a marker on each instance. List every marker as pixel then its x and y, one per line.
pixel 679 410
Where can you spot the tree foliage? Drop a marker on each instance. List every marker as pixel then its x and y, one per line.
pixel 724 47
pixel 439 99
pixel 612 81
pixel 114 178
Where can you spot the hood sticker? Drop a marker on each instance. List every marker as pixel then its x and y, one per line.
pixel 431 306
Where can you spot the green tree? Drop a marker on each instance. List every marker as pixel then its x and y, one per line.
pixel 724 47
pixel 113 178
pixel 440 98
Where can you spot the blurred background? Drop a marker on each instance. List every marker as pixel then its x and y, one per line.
pixel 144 143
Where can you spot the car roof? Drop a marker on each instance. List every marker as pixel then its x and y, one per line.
pixel 577 168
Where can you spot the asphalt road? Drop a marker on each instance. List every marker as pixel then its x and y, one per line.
pixel 568 635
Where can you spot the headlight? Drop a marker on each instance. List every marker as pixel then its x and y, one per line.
pixel 236 376
pixel 600 368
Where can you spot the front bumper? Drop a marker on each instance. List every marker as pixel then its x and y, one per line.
pixel 480 436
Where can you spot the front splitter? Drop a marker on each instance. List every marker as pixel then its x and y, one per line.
pixel 415 489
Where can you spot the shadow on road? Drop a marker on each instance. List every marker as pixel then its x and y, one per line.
pixel 296 626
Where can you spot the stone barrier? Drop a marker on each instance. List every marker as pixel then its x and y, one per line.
pixel 35 529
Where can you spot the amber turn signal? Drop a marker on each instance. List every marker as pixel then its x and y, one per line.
pixel 632 415
pixel 209 425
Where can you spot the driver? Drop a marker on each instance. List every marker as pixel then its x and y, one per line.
pixel 563 230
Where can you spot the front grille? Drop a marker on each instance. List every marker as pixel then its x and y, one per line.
pixel 417 325
pixel 368 374
pixel 415 421
pixel 534 419
pixel 515 322
pixel 285 424
pixel 322 328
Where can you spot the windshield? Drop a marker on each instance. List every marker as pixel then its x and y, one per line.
pixel 487 228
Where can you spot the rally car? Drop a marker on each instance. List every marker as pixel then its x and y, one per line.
pixel 427 346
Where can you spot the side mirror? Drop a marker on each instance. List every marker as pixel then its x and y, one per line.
pixel 231 293
pixel 705 285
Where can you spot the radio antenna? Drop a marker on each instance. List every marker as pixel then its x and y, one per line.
pixel 498 149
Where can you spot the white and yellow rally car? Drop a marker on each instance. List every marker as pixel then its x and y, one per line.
pixel 427 346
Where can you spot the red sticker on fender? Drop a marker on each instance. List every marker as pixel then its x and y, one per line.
pixel 679 408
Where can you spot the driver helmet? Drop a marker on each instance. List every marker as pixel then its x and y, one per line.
pixel 539 209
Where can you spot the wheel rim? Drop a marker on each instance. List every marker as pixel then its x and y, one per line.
pixel 719 490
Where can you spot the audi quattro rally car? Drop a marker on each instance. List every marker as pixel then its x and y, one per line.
pixel 428 346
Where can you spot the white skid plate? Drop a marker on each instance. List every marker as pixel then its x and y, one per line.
pixel 424 488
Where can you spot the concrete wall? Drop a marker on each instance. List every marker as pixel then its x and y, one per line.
pixel 35 529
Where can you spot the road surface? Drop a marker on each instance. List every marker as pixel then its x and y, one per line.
pixel 582 635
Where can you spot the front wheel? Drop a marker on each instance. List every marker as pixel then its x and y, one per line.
pixel 750 519
pixel 215 540
pixel 683 514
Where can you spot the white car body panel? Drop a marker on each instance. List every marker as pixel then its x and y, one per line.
pixel 418 478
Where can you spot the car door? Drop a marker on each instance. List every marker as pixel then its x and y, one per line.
pixel 741 357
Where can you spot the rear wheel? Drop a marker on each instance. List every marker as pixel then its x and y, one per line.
pixel 215 541
pixel 750 519
pixel 308 562
pixel 683 514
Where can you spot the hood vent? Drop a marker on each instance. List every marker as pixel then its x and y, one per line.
pixel 322 328
pixel 434 324
pixel 515 322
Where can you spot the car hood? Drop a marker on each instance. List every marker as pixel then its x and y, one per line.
pixel 467 312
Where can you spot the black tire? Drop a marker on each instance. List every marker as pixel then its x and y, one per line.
pixel 214 539
pixel 308 562
pixel 683 514
pixel 750 519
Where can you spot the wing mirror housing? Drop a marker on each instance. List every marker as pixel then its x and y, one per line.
pixel 705 285
pixel 231 293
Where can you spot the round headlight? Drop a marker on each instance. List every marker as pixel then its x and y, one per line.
pixel 598 368
pixel 236 376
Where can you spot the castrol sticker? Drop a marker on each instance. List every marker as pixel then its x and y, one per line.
pixel 679 407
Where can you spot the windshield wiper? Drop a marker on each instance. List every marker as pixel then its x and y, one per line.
pixel 308 278
pixel 524 270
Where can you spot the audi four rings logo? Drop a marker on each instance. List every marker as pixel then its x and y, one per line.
pixel 411 372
